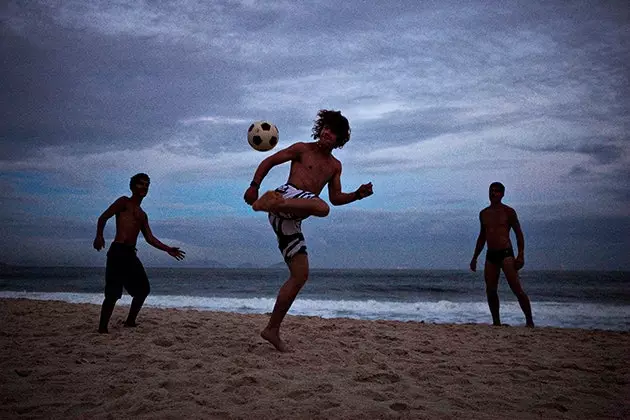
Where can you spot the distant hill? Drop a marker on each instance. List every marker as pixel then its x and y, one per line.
pixel 210 264
pixel 247 265
pixel 278 265
pixel 186 264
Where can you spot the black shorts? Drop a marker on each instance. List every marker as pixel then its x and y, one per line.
pixel 124 269
pixel 496 256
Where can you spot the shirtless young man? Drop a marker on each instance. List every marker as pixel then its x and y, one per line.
pixel 123 266
pixel 496 222
pixel 312 167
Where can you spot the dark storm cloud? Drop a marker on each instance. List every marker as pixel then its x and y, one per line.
pixel 601 150
pixel 602 153
pixel 617 185
pixel 95 91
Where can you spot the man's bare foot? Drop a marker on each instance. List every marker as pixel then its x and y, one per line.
pixel 129 324
pixel 268 201
pixel 530 324
pixel 273 337
pixel 103 330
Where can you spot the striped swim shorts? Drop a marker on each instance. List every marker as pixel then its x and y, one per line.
pixel 287 227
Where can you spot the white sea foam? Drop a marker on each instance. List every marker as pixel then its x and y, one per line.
pixel 575 315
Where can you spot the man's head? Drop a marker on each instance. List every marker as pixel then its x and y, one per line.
pixel 139 184
pixel 496 191
pixel 335 123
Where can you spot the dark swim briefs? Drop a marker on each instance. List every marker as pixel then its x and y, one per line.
pixel 496 256
pixel 124 269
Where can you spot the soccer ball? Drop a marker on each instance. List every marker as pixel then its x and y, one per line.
pixel 262 135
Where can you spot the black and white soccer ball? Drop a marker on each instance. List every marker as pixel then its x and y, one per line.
pixel 262 135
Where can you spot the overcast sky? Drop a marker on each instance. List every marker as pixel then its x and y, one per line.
pixel 443 98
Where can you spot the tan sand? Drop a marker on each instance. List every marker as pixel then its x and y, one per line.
pixel 184 364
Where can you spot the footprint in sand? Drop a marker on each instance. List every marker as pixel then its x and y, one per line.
pixel 169 365
pixel 400 352
pixel 399 406
pixel 364 358
pixel 300 395
pixel 162 342
pixel 554 406
pixel 168 385
pixel 77 410
pixel 379 378
pixel 240 382
pixel 386 337
pixel 373 395
pixel 324 389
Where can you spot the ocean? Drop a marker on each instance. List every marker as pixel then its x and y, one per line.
pixel 565 299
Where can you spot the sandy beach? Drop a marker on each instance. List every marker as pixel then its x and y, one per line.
pixel 206 365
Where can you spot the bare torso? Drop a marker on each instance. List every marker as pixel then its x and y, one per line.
pixel 129 222
pixel 313 168
pixel 497 222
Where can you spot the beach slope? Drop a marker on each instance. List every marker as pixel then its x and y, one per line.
pixel 209 365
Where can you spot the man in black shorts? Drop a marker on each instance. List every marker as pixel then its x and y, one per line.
pixel 496 222
pixel 124 269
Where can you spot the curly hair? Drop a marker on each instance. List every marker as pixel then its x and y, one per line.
pixel 336 122
pixel 138 177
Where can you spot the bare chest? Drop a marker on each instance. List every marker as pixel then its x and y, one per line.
pixel 495 219
pixel 317 166
pixel 131 216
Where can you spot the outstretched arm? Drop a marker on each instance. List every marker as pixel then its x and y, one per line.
pixel 116 207
pixel 339 198
pixel 481 242
pixel 285 155
pixel 155 242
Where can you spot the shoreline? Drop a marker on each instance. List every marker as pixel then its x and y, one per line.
pixel 201 364
pixel 467 313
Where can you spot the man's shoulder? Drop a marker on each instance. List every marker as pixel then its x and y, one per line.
pixel 302 144
pixel 299 147
pixel 507 208
pixel 123 199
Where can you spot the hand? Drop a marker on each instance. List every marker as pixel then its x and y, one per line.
pixel 176 253
pixel 473 264
pixel 519 262
pixel 251 195
pixel 99 243
pixel 365 190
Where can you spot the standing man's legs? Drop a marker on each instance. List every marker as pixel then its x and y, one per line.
pixel 134 309
pixel 298 269
pixel 138 287
pixel 113 289
pixel 106 313
pixel 511 274
pixel 491 274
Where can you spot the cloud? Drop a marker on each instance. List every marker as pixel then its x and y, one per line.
pixel 442 100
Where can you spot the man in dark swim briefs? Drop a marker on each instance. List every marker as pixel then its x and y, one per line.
pixel 496 222
pixel 124 269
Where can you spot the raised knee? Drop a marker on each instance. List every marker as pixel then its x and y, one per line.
pixel 322 209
